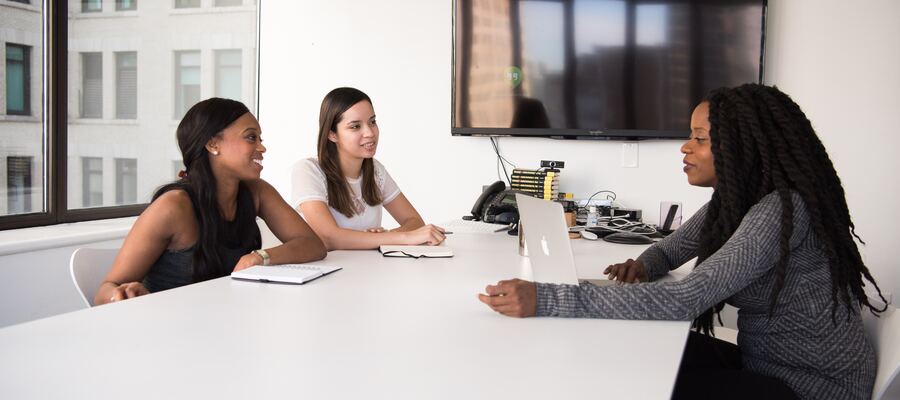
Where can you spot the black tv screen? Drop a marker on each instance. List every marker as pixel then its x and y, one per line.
pixel 597 69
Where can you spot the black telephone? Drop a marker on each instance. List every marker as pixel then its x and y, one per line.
pixel 496 205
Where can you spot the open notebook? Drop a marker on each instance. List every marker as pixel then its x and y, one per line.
pixel 285 273
pixel 416 251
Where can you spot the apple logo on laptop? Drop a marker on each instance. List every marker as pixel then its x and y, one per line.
pixel 544 245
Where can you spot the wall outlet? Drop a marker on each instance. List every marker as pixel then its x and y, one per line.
pixel 630 154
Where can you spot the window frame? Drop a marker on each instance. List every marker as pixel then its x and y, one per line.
pixel 54 68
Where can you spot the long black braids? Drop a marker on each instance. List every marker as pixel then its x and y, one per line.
pixel 762 143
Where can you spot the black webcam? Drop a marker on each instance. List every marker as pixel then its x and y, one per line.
pixel 552 164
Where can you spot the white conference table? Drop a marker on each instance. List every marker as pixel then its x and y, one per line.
pixel 380 328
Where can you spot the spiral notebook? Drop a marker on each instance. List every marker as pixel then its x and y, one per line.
pixel 285 273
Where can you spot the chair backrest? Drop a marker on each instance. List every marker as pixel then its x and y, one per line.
pixel 884 332
pixel 88 267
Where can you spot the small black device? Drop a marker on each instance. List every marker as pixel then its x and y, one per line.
pixel 627 238
pixel 555 165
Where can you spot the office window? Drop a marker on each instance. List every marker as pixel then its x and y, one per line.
pixel 91 85
pixel 126 5
pixel 91 6
pixel 187 81
pixel 97 120
pixel 228 3
pixel 126 85
pixel 92 181
pixel 228 74
pixel 18 79
pixel 18 184
pixel 126 181
pixel 187 3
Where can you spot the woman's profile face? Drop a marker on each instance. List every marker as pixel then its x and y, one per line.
pixel 698 156
pixel 357 132
pixel 240 149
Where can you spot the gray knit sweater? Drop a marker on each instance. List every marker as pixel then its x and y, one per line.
pixel 817 357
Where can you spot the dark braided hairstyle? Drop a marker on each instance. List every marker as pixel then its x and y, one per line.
pixel 204 121
pixel 762 143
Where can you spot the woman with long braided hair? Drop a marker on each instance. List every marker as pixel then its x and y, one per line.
pixel 775 240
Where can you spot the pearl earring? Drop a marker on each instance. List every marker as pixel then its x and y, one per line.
pixel 215 153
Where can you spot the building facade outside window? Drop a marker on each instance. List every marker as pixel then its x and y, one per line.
pixel 126 5
pixel 126 181
pixel 126 85
pixel 228 3
pixel 187 3
pixel 18 184
pixel 228 74
pixel 18 79
pixel 91 6
pixel 187 81
pixel 92 181
pixel 92 85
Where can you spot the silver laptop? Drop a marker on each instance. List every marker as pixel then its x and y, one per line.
pixel 548 243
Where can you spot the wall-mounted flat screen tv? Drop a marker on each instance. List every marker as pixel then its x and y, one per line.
pixel 597 69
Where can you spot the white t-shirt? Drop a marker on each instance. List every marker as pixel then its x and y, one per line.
pixel 309 184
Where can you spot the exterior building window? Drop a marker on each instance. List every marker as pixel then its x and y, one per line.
pixel 126 181
pixel 18 184
pixel 126 85
pixel 187 81
pixel 228 74
pixel 21 1
pixel 91 6
pixel 91 85
pixel 126 5
pixel 18 79
pixel 92 181
pixel 228 3
pixel 187 3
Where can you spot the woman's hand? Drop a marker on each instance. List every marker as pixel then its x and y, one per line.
pixel 429 234
pixel 127 291
pixel 630 271
pixel 515 298
pixel 375 230
pixel 247 261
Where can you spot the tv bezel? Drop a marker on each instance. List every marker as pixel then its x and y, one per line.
pixel 578 133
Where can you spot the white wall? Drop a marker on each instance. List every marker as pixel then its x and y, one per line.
pixel 838 60
pixel 399 53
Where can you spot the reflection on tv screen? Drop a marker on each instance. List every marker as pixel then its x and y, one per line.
pixel 598 65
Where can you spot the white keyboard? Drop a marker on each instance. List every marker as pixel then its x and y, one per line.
pixel 463 226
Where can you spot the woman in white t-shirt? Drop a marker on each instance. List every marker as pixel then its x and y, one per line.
pixel 341 193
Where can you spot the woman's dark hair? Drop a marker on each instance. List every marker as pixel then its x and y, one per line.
pixel 762 143
pixel 333 107
pixel 204 121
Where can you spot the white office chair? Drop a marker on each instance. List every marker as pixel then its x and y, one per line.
pixel 884 332
pixel 88 267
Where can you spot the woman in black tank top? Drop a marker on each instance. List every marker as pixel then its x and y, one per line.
pixel 203 226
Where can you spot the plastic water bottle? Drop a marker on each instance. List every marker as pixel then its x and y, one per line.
pixel 593 217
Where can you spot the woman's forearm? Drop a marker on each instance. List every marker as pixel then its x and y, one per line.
pixel 297 250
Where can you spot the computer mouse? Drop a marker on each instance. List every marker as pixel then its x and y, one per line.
pixel 586 234
pixel 627 238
